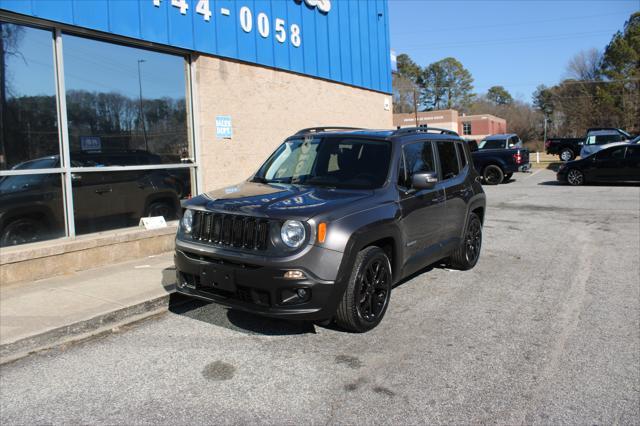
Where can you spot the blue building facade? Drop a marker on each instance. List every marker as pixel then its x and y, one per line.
pixel 345 41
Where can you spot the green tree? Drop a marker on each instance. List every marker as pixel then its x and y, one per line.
pixel 543 100
pixel 447 84
pixel 499 95
pixel 621 67
pixel 408 68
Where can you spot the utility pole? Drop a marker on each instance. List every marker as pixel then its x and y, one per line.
pixel 545 129
pixel 144 126
pixel 415 106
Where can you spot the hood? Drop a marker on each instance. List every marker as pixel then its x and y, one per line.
pixel 276 200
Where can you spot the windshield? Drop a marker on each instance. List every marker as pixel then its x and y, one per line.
pixel 330 161
pixel 492 144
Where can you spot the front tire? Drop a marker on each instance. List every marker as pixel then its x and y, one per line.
pixel 367 295
pixel 508 176
pixel 575 177
pixel 22 231
pixel 493 175
pixel 466 256
pixel 567 155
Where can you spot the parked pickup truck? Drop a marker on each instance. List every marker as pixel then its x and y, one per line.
pixel 497 157
pixel 566 148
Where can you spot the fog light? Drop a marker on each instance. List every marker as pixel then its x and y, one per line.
pixel 294 275
pixel 302 293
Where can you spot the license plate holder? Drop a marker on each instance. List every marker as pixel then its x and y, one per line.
pixel 219 277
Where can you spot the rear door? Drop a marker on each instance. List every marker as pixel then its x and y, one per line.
pixel 423 215
pixel 455 189
pixel 610 164
pixel 632 163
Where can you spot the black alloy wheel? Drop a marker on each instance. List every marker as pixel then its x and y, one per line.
pixel 575 177
pixel 473 242
pixel 373 291
pixel 493 175
pixel 468 252
pixel 368 292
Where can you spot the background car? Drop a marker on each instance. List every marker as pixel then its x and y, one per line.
pixel 600 138
pixel 620 163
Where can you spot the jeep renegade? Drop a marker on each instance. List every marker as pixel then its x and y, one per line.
pixel 331 221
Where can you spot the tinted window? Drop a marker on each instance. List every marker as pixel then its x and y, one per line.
pixel 612 153
pixel 125 103
pixel 633 152
pixel 462 155
pixel 492 144
pixel 448 159
pixel 418 159
pixel 29 128
pixel 334 162
pixel 604 139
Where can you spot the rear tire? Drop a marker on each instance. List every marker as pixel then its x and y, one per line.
pixel 161 208
pixel 466 256
pixel 493 175
pixel 567 155
pixel 366 298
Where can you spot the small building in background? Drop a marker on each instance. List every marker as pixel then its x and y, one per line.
pixel 473 127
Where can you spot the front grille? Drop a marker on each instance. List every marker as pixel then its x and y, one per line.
pixel 230 230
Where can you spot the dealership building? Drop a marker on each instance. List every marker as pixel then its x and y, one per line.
pixel 474 127
pixel 114 110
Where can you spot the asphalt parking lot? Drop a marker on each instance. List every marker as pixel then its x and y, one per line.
pixel 546 329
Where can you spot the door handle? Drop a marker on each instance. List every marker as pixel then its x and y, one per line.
pixel 104 191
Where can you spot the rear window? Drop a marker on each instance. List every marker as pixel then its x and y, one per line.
pixel 448 159
pixel 492 144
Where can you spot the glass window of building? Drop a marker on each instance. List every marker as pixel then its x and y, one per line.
pixel 466 128
pixel 31 205
pixel 125 107
pixel 28 113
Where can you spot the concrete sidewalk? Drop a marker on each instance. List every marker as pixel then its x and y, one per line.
pixel 46 313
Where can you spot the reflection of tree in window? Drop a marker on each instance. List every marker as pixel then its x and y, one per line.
pixel 28 117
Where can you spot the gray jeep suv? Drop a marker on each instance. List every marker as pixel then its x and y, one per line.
pixel 331 221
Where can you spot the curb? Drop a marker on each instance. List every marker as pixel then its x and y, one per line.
pixel 105 323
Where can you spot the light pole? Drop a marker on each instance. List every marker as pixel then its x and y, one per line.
pixel 144 126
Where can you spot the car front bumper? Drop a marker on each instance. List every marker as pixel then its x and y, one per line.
pixel 259 287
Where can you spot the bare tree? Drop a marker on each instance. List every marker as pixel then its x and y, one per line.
pixel 585 65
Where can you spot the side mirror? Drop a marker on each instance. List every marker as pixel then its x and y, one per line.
pixel 425 180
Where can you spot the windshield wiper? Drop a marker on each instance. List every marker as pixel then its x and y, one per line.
pixel 259 179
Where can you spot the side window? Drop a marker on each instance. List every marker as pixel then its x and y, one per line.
pixel 633 152
pixel 615 154
pixel 418 158
pixel 462 154
pixel 448 159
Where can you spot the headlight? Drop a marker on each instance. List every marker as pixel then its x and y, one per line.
pixel 187 221
pixel 293 233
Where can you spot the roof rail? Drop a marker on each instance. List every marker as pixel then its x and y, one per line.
pixel 324 129
pixel 424 129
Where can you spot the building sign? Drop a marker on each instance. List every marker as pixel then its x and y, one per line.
pixel 224 129
pixel 90 143
pixel 344 41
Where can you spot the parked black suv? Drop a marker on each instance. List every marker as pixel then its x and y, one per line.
pixel 332 220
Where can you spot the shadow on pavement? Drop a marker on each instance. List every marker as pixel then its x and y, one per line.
pixel 244 322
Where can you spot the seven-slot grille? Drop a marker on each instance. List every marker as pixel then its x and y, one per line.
pixel 230 230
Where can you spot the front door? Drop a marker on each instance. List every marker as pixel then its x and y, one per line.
pixel 422 210
pixel 632 163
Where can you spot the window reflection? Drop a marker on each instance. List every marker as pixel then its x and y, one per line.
pixel 109 200
pixel 124 103
pixel 28 116
pixel 31 208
